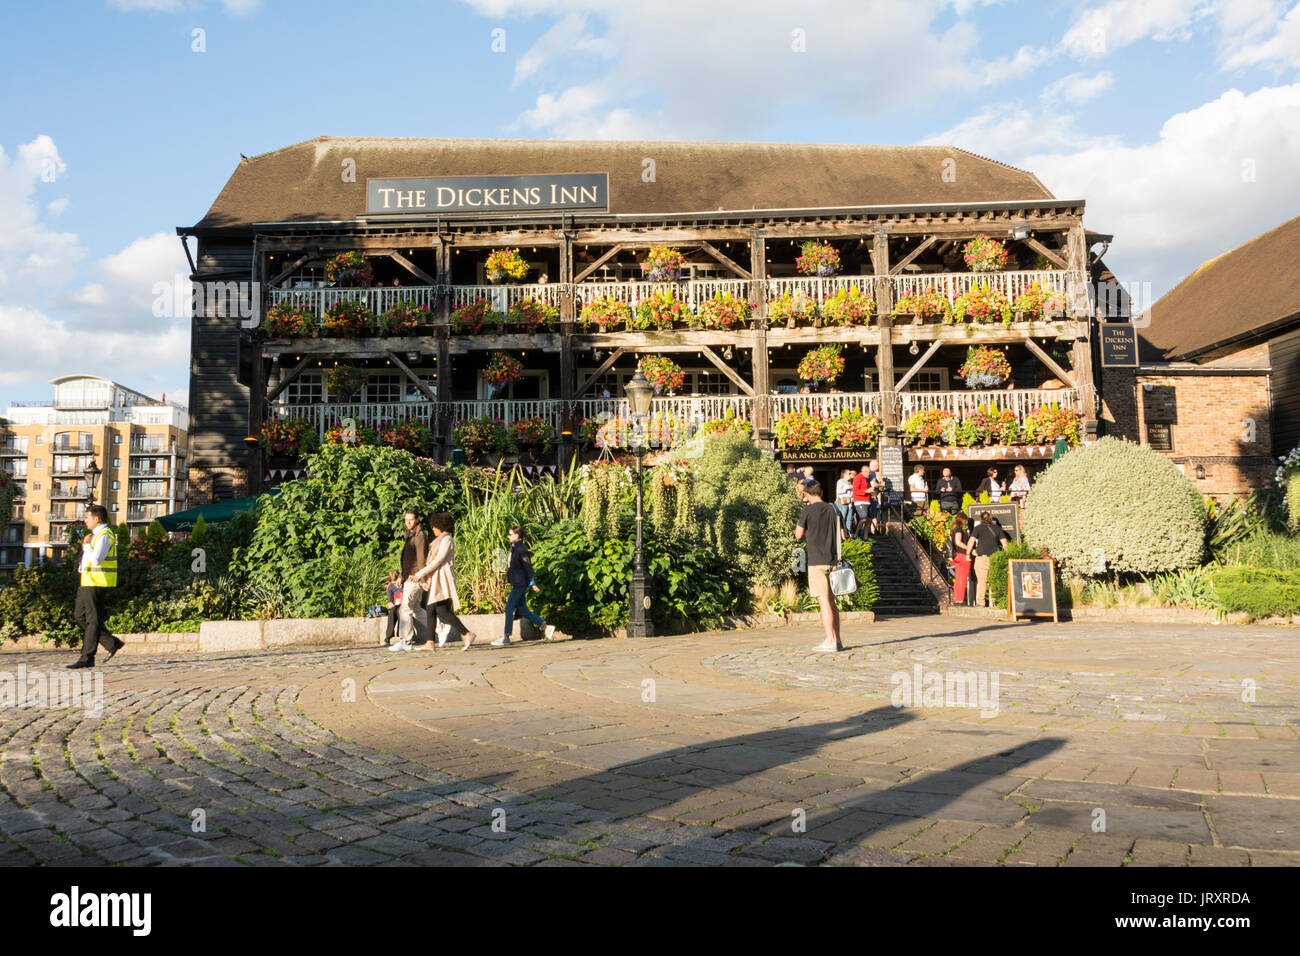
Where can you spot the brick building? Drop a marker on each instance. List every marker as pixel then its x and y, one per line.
pixel 1217 387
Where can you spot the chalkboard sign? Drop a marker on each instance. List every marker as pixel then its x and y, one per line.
pixel 1118 345
pixel 1031 589
pixel 891 467
pixel 1007 512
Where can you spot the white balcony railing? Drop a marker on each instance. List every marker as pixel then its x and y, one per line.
pixel 377 299
pixel 501 298
pixel 819 290
pixel 961 404
pixel 1010 284
pixel 827 406
pixel 693 293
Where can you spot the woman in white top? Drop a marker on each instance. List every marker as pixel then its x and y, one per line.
pixel 844 499
pixel 920 489
pixel 1020 486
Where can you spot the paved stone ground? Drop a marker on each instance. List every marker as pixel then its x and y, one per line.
pixel 738 749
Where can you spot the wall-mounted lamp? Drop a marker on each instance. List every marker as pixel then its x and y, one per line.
pixel 727 353
pixel 1019 231
pixel 913 350
pixel 1200 472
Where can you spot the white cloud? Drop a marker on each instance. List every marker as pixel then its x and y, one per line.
pixel 1282 49
pixel 241 8
pixel 1009 130
pixel 32 255
pixel 1102 30
pixel 147 6
pixel 56 207
pixel 1079 88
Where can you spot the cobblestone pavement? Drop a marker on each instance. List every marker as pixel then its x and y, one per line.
pixel 1106 745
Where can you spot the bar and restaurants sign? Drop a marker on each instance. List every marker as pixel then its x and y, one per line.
pixel 477 194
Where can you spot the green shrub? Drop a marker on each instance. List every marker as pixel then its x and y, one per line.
pixel 1259 592
pixel 1189 587
pixel 746 509
pixel 1293 503
pixel 1115 507
pixel 998 568
pixel 858 554
pixel 39 601
pixel 1264 550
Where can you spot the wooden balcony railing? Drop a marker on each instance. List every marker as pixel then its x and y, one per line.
pixel 1010 284
pixel 961 404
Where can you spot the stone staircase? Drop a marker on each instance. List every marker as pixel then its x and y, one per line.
pixel 901 590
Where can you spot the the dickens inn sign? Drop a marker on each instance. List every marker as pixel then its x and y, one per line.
pixel 461 194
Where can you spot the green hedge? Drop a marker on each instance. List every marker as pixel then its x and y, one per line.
pixel 1259 592
pixel 998 569
pixel 858 554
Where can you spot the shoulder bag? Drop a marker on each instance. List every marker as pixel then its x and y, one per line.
pixel 843 580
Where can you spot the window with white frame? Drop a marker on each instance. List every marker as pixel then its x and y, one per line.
pixel 307 389
pixel 413 394
pixel 709 382
pixel 609 385
pixel 383 388
pixel 926 380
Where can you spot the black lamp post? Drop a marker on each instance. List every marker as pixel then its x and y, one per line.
pixel 92 479
pixel 638 393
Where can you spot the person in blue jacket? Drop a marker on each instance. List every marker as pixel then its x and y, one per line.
pixel 520 577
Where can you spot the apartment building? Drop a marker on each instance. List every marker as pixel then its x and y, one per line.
pixel 96 441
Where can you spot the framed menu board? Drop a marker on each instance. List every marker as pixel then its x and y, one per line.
pixel 1031 588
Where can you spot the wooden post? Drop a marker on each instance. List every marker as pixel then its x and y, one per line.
pixel 442 329
pixel 568 372
pixel 256 408
pixel 762 412
pixel 884 304
pixel 1077 263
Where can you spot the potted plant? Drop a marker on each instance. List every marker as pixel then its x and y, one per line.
pixel 800 430
pixel 287 441
pixel 663 264
pixel 985 367
pixel 505 265
pixel 724 311
pixel 501 370
pixel 606 313
pixel 533 433
pixel 983 254
pixel 660 310
pixel 979 303
pixel 288 321
pixel 934 425
pixel 728 424
pixel 473 317
pixel 1039 303
pixel 342 382
pixel 662 372
pixel 853 429
pixel 349 269
pixel 1047 423
pixel 988 425
pixel 347 320
pixel 532 315
pixel 412 435
pixel 823 364
pixel 929 305
pixel 817 259
pixel 403 318
pixel 791 308
pixel 478 437
pixel 849 307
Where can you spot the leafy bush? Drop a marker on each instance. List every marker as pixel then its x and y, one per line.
pixel 858 554
pixel 746 509
pixel 1115 507
pixel 1293 503
pixel 1259 592
pixel 1264 550
pixel 40 601
pixel 1189 587
pixel 998 568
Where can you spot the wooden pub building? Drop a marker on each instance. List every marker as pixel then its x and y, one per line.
pixel 425 215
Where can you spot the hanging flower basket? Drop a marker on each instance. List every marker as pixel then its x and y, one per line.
pixel 505 265
pixel 403 318
pixel 933 426
pixel 288 321
pixel 989 425
pixel 412 436
pixel 724 311
pixel 1046 424
pixel 532 315
pixel 853 429
pixel 503 369
pixel 663 264
pixel 985 367
pixel 983 254
pixel 339 433
pixel 930 305
pixel 800 430
pixel 818 259
pixel 791 309
pixel 823 364
pixel 662 372
pixel 849 307
pixel 350 269
pixel 605 313
pixel 532 432
pixel 979 303
pixel 343 381
pixel 480 436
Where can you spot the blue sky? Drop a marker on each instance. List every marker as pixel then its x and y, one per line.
pixel 1164 115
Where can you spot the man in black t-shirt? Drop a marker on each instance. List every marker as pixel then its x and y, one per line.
pixel 987 542
pixel 820 528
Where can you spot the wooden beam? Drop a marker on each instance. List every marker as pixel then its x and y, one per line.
pixel 762 412
pixel 727 370
pixel 412 268
pixel 618 247
pixel 284 382
pixel 288 270
pixel 1047 360
pixel 1045 252
pixel 926 243
pixel 920 363
pixel 725 260
pixel 412 376
pixel 605 367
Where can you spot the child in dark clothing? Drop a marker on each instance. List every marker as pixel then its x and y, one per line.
pixel 519 574
pixel 394 602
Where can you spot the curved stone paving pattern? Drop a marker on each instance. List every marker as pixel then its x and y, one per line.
pixel 719 749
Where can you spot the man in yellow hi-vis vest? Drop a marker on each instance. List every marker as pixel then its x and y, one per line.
pixel 98 573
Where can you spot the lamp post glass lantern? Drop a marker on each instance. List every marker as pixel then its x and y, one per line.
pixel 92 479
pixel 638 620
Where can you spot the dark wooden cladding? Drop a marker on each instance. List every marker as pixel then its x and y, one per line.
pixel 1284 360
pixel 220 401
